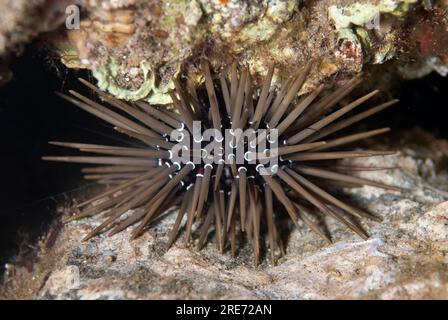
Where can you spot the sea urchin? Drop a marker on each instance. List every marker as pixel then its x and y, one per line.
pixel 260 147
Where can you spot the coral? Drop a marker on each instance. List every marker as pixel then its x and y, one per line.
pixel 135 48
pixel 107 76
pixel 171 36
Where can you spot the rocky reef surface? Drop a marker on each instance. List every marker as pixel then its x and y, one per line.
pixel 406 256
pixel 135 47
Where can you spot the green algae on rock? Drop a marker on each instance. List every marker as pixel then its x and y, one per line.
pixel 147 89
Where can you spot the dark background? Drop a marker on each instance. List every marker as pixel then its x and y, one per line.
pixel 31 115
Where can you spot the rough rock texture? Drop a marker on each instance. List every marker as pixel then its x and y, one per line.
pixel 405 258
pixel 429 51
pixel 135 47
pixel 21 20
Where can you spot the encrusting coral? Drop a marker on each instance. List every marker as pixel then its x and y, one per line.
pixel 136 48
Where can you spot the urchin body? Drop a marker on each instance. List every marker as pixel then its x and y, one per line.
pixel 288 162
